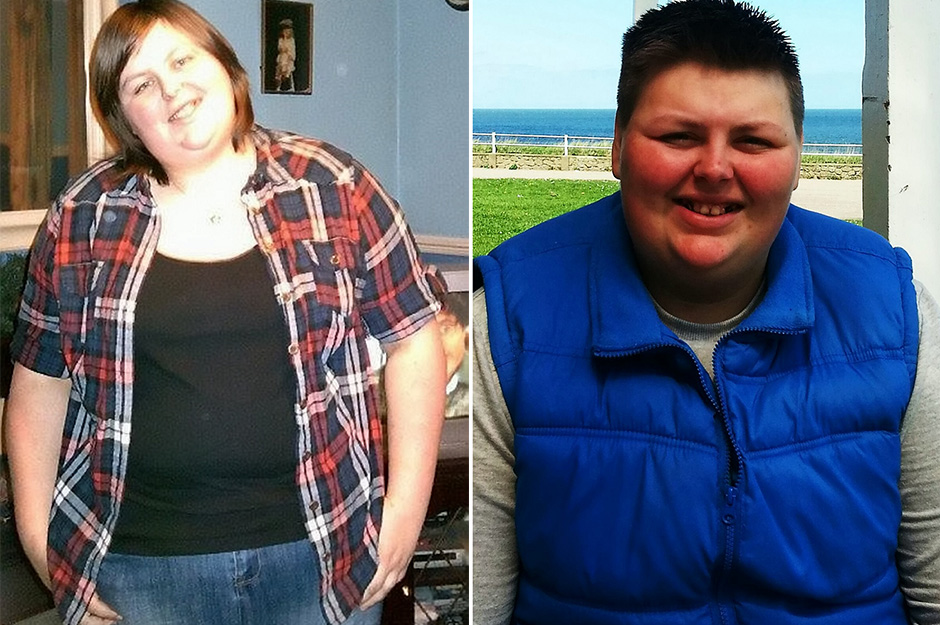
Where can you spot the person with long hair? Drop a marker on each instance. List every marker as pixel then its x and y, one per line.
pixel 192 426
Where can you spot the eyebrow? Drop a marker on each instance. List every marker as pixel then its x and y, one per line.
pixel 136 75
pixel 688 122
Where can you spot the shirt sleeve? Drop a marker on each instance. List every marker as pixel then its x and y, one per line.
pixel 495 561
pixel 919 535
pixel 36 343
pixel 396 299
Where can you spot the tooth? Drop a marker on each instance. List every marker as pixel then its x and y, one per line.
pixel 709 210
pixel 182 111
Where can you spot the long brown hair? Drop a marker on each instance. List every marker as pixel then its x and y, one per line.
pixel 117 41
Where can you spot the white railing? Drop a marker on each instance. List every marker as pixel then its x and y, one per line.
pixel 833 149
pixel 567 142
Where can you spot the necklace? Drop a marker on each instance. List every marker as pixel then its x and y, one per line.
pixel 213 213
pixel 226 183
pixel 215 216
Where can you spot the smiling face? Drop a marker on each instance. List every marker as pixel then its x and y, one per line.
pixel 178 99
pixel 707 163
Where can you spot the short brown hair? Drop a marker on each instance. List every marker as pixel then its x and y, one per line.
pixel 119 38
pixel 725 34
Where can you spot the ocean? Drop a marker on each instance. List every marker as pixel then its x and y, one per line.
pixel 840 126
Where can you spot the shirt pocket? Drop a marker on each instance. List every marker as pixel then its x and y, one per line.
pixel 328 284
pixel 77 284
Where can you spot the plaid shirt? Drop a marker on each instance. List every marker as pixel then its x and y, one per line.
pixel 343 264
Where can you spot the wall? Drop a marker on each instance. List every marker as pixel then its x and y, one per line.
pixel 390 86
pixel 434 114
pixel 914 148
pixel 899 129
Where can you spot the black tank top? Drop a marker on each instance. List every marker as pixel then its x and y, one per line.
pixel 213 448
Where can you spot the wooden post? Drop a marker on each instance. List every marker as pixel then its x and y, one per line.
pixel 30 104
pixel 78 155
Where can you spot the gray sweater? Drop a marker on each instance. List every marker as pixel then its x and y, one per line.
pixel 495 565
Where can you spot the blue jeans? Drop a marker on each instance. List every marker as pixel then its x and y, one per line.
pixel 277 585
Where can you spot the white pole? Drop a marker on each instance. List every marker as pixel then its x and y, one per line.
pixel 914 148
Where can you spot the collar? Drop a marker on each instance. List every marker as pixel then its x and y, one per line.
pixel 452 384
pixel 624 317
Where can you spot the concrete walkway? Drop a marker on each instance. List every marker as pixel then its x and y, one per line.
pixel 841 199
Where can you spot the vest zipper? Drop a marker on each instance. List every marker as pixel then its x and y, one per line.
pixel 735 469
pixel 735 463
pixel 735 458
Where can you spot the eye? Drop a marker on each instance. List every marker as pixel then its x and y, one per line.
pixel 678 138
pixel 183 60
pixel 753 142
pixel 142 86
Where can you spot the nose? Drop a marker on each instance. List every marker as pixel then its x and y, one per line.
pixel 171 86
pixel 714 163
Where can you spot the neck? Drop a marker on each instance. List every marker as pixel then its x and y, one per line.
pixel 232 167
pixel 703 300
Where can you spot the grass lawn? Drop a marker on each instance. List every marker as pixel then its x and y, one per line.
pixel 504 207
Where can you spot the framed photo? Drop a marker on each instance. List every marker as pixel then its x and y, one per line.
pixel 287 47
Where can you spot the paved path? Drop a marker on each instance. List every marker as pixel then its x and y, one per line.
pixel 838 198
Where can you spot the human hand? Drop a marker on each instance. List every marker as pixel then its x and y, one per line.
pixel 397 539
pixel 99 613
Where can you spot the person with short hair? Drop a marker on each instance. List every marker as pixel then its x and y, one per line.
pixel 192 426
pixel 693 401
pixel 454 321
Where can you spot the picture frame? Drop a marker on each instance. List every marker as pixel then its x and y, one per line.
pixel 287 47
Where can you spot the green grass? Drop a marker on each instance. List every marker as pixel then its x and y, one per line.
pixel 831 158
pixel 505 207
pixel 540 150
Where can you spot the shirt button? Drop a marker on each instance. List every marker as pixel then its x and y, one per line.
pixel 334 259
pixel 314 506
pixel 293 349
pixel 307 455
pixel 266 245
pixel 287 297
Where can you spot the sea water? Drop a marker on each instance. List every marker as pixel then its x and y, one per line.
pixel 838 126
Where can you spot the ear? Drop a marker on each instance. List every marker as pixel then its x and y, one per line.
pixel 799 165
pixel 615 151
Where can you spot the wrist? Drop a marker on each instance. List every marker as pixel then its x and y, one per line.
pixel 35 548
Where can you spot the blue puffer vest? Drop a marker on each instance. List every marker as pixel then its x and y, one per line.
pixel 648 496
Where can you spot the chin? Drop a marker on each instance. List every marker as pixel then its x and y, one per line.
pixel 709 254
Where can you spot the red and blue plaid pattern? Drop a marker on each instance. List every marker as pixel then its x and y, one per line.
pixel 343 265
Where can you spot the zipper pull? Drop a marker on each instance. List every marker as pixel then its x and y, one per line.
pixel 728 514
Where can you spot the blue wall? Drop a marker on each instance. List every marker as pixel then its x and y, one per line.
pixel 434 118
pixel 390 86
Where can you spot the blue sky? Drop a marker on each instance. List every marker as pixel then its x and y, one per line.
pixel 563 54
